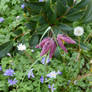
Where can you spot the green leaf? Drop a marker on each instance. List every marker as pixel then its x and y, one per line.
pixel 65 27
pixel 34 40
pixel 74 16
pixel 60 7
pixel 88 13
pixel 5 48
pixel 70 2
pixel 82 4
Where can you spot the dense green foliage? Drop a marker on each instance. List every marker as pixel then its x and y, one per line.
pixel 29 25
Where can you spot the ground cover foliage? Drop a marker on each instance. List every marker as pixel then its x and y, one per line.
pixel 23 26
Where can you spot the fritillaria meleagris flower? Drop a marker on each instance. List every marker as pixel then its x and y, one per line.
pixel 63 38
pixel 47 44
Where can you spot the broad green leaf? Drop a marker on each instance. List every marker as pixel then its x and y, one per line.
pixel 5 48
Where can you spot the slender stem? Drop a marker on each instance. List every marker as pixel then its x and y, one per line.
pixel 90 34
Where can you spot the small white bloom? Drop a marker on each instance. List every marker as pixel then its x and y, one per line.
pixel 78 31
pixel 21 47
pixel 75 82
pixel 8 54
pixel 90 61
pixel 17 17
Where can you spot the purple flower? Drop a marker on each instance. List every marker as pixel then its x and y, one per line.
pixel 42 79
pixel 1 19
pixel 63 38
pixel 68 82
pixel 43 60
pixel 51 87
pixel 58 72
pixel 41 0
pixel 12 82
pixel 9 72
pixel 47 44
pixel 0 68
pixel 30 74
pixel 53 74
pixel 23 6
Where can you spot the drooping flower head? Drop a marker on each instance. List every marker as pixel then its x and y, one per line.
pixel 9 72
pixel 30 73
pixel 51 87
pixel 21 47
pixel 1 19
pixel 12 82
pixel 47 44
pixel 63 38
pixel 78 31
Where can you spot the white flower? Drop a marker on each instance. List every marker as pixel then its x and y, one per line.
pixel 21 47
pixel 78 31
pixel 75 82
pixel 17 17
pixel 8 54
pixel 90 61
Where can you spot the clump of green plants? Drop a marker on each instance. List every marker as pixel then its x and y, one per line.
pixel 45 46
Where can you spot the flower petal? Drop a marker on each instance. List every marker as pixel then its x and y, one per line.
pixel 42 42
pixel 66 38
pixel 61 45
pixel 52 49
pixel 45 48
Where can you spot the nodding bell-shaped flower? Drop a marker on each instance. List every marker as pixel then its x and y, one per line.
pixel 47 44
pixel 63 38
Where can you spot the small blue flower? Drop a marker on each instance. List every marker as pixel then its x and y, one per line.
pixel 51 87
pixel 68 82
pixel 53 74
pixel 1 19
pixel 42 79
pixel 0 68
pixel 43 60
pixel 23 6
pixel 41 0
pixel 9 72
pixel 30 74
pixel 58 72
pixel 12 82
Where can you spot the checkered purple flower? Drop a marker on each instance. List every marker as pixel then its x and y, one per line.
pixel 12 82
pixel 0 68
pixel 30 74
pixel 51 87
pixel 9 72
pixel 47 44
pixel 1 19
pixel 63 38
